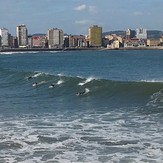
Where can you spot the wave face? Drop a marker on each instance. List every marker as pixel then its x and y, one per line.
pixel 102 93
pixel 54 111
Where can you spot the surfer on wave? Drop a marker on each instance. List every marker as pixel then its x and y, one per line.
pixel 34 84
pixel 30 77
pixel 52 85
pixel 85 91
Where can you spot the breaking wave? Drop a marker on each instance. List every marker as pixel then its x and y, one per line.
pixel 79 135
pixel 150 92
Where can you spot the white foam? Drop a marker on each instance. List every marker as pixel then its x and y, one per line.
pixel 86 81
pixel 36 75
pixel 25 52
pixel 55 51
pixel 79 128
pixel 41 82
pixel 156 99
pixel 8 53
pixel 152 81
pixel 87 90
pixel 60 82
pixel 60 74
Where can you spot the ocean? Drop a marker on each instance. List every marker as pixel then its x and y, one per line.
pixel 86 106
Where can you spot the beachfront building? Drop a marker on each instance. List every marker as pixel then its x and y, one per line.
pixel 22 35
pixel 113 41
pixel 66 41
pixel 10 41
pixel 38 41
pixel 134 43
pixel 114 45
pixel 130 34
pixel 111 37
pixel 4 34
pixel 141 33
pixel 153 42
pixel 55 38
pixel 29 41
pixel 77 41
pixel 95 36
pixel 15 42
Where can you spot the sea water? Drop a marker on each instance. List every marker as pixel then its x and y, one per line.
pixel 119 119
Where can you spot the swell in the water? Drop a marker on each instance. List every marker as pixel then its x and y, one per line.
pixel 100 89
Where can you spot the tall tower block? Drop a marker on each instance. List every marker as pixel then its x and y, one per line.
pixel 95 36
pixel 22 35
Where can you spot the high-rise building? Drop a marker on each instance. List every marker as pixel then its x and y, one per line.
pixel 95 36
pixel 10 40
pixel 22 35
pixel 141 33
pixel 55 38
pixel 15 42
pixel 4 37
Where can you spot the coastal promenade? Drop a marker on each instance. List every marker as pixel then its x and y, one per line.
pixel 77 49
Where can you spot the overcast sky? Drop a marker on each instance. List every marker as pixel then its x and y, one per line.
pixel 75 16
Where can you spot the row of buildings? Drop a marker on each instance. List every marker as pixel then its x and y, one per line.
pixel 55 38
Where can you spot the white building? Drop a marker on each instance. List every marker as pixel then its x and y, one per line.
pixel 134 43
pixel 22 35
pixel 4 37
pixel 115 44
pixel 55 38
pixel 141 33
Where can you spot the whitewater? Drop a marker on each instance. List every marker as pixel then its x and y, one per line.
pixel 118 118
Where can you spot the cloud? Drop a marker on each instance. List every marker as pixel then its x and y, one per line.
pixel 83 7
pixel 82 22
pixel 139 13
pixel 80 8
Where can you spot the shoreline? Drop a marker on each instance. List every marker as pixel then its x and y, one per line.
pixel 75 49
pixel 45 49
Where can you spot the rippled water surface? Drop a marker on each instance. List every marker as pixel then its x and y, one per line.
pixel 118 118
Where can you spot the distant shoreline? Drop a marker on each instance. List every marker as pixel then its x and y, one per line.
pixel 44 49
pixel 75 49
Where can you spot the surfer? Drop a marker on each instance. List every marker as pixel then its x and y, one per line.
pixel 30 77
pixel 34 84
pixel 81 93
pixel 85 91
pixel 51 86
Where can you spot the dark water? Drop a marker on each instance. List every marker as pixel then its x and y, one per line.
pixel 119 118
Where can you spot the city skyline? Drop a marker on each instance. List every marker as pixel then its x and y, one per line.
pixel 76 16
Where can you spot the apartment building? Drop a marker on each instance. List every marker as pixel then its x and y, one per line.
pixel 55 38
pixel 153 42
pixel 77 41
pixel 22 35
pixel 95 36
pixel 4 34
